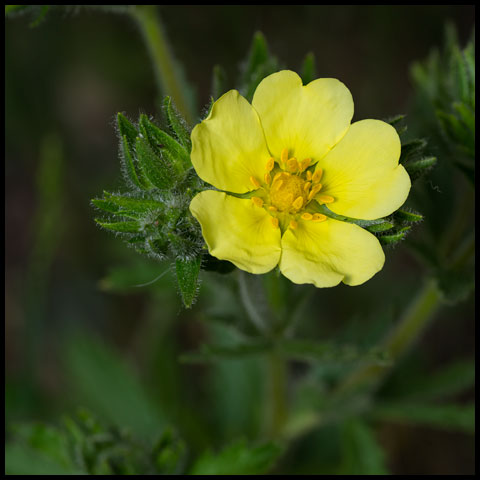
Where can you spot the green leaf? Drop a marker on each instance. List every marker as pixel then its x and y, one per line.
pixel 419 167
pixel 380 227
pixel 156 169
pixel 127 206
pixel 166 147
pixel 187 277
pixel 127 130
pixel 446 417
pixel 308 70
pixel 407 216
pixel 362 455
pixel 127 156
pixel 100 379
pixel 219 81
pixel 178 124
pixel 238 459
pixel 121 227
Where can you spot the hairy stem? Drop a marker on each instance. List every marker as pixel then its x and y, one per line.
pixel 166 72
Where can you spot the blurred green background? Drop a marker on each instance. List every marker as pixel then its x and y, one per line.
pixel 78 332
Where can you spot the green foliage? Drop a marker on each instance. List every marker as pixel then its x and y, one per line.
pixel 446 87
pixel 258 65
pixel 153 216
pixel 309 69
pixel 85 446
pixel 238 459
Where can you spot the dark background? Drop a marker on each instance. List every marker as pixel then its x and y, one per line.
pixel 69 76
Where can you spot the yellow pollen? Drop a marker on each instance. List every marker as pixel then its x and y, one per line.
pixel 255 182
pixel 304 164
pixel 292 165
pixel 274 221
pixel 268 178
pixel 309 175
pixel 317 176
pixel 293 224
pixel 314 191
pixel 325 199
pixel 277 176
pixel 277 185
pixel 257 201
pixel 306 187
pixel 307 216
pixel 284 156
pixel 272 208
pixel 319 217
pixel 270 165
pixel 298 203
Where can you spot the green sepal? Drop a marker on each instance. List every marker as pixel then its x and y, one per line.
pixel 178 124
pixel 380 227
pixel 121 227
pixel 393 238
pixel 126 129
pixel 126 206
pixel 406 216
pixel 419 167
pixel 157 171
pixel 309 69
pixel 187 278
pixel 411 148
pixel 165 146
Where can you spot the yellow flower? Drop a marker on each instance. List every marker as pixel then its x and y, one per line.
pixel 290 151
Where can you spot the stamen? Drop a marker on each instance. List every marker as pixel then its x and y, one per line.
pixel 306 187
pixel 272 208
pixel 297 204
pixel 319 217
pixel 317 176
pixel 293 224
pixel 268 178
pixel 325 199
pixel 292 165
pixel 284 156
pixel 289 199
pixel 277 176
pixel 309 175
pixel 270 165
pixel 307 216
pixel 276 185
pixel 304 164
pixel 255 182
pixel 274 221
pixel 257 201
pixel 314 191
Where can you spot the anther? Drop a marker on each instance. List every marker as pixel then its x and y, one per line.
pixel 325 199
pixel 319 217
pixel 293 224
pixel 277 176
pixel 304 164
pixel 255 182
pixel 284 156
pixel 307 216
pixel 268 178
pixel 274 221
pixel 306 187
pixel 309 175
pixel 292 165
pixel 276 185
pixel 257 201
pixel 272 208
pixel 317 176
pixel 297 204
pixel 270 165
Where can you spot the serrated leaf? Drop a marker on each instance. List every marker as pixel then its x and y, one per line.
pixel 178 124
pixel 165 146
pixel 187 278
pixel 238 459
pixel 156 169
pixel 446 417
pixel 309 69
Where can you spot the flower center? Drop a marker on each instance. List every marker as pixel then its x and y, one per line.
pixel 287 195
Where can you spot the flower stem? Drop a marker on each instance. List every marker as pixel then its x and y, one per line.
pixel 166 71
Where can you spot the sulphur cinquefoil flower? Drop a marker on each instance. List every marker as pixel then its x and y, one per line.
pixel 275 161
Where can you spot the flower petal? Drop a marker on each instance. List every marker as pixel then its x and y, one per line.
pixel 329 252
pixel 229 147
pixel 238 231
pixel 308 120
pixel 362 172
